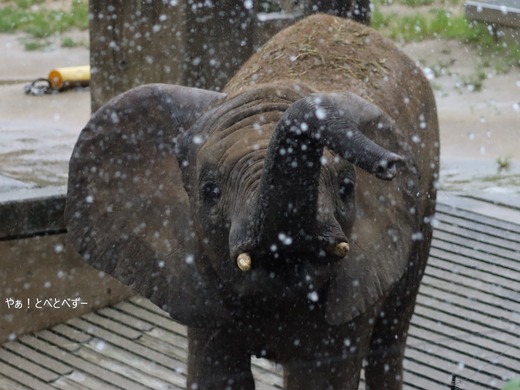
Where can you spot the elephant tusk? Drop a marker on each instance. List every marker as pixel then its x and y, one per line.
pixel 244 262
pixel 340 249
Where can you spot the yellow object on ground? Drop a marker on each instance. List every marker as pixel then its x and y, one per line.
pixel 75 76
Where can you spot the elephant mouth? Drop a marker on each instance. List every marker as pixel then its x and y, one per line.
pixel 326 253
pixel 292 275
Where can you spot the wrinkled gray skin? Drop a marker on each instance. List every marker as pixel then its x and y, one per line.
pixel 168 185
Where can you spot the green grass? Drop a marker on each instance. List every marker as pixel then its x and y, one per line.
pixel 504 164
pixel 442 24
pixel 412 3
pixel 25 3
pixel 35 44
pixel 475 81
pixel 38 22
pixel 513 384
pixel 433 24
pixel 417 3
pixel 69 42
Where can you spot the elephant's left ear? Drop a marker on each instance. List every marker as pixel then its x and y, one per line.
pixel 389 243
pixel 127 211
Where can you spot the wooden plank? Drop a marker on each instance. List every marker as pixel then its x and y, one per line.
pixel 148 368
pixel 414 381
pixel 122 342
pixel 467 232
pixel 123 318
pixel 8 384
pixel 489 335
pixel 166 343
pixel 477 218
pixel 473 270
pixel 23 378
pixel 434 339
pixel 506 213
pixel 474 250
pixel 133 372
pixel 487 267
pixel 27 366
pixel 475 321
pixel 57 340
pixel 453 219
pixel 148 305
pixel 476 246
pixel 494 12
pixel 477 221
pixel 439 368
pixel 509 203
pixel 470 280
pixel 465 280
pixel 473 255
pixel 82 380
pixel 169 337
pixel 267 372
pixel 67 373
pixel 431 376
pixel 424 319
pixel 38 357
pixel 113 326
pixel 81 365
pixel 156 316
pixel 259 385
pixel 71 333
pixel 480 343
pixel 496 307
pixel 65 383
pixel 457 362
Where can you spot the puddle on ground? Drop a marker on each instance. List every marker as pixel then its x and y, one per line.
pixel 34 154
pixel 30 160
pixel 480 177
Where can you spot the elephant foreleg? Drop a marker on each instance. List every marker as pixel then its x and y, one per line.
pixel 385 360
pixel 335 367
pixel 343 375
pixel 218 360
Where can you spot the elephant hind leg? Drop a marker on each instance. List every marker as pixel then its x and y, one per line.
pixel 335 365
pixel 384 368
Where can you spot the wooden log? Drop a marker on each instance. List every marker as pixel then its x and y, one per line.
pixel 183 42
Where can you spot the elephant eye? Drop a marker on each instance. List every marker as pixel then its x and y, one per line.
pixel 211 193
pixel 346 188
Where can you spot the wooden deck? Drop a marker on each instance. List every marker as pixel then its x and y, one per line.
pixel 466 324
pixel 499 12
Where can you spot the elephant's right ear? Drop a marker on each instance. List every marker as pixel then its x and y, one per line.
pixel 127 211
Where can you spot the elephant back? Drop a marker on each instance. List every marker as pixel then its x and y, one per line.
pixel 327 53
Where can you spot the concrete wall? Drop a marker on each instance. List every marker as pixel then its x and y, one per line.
pixel 41 270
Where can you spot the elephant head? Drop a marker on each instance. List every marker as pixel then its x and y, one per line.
pixel 199 200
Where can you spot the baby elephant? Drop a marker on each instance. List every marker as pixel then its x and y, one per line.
pixel 287 218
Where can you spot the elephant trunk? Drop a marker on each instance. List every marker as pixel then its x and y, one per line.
pixel 287 203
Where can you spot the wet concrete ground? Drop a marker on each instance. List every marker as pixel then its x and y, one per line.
pixel 37 133
pixel 480 124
